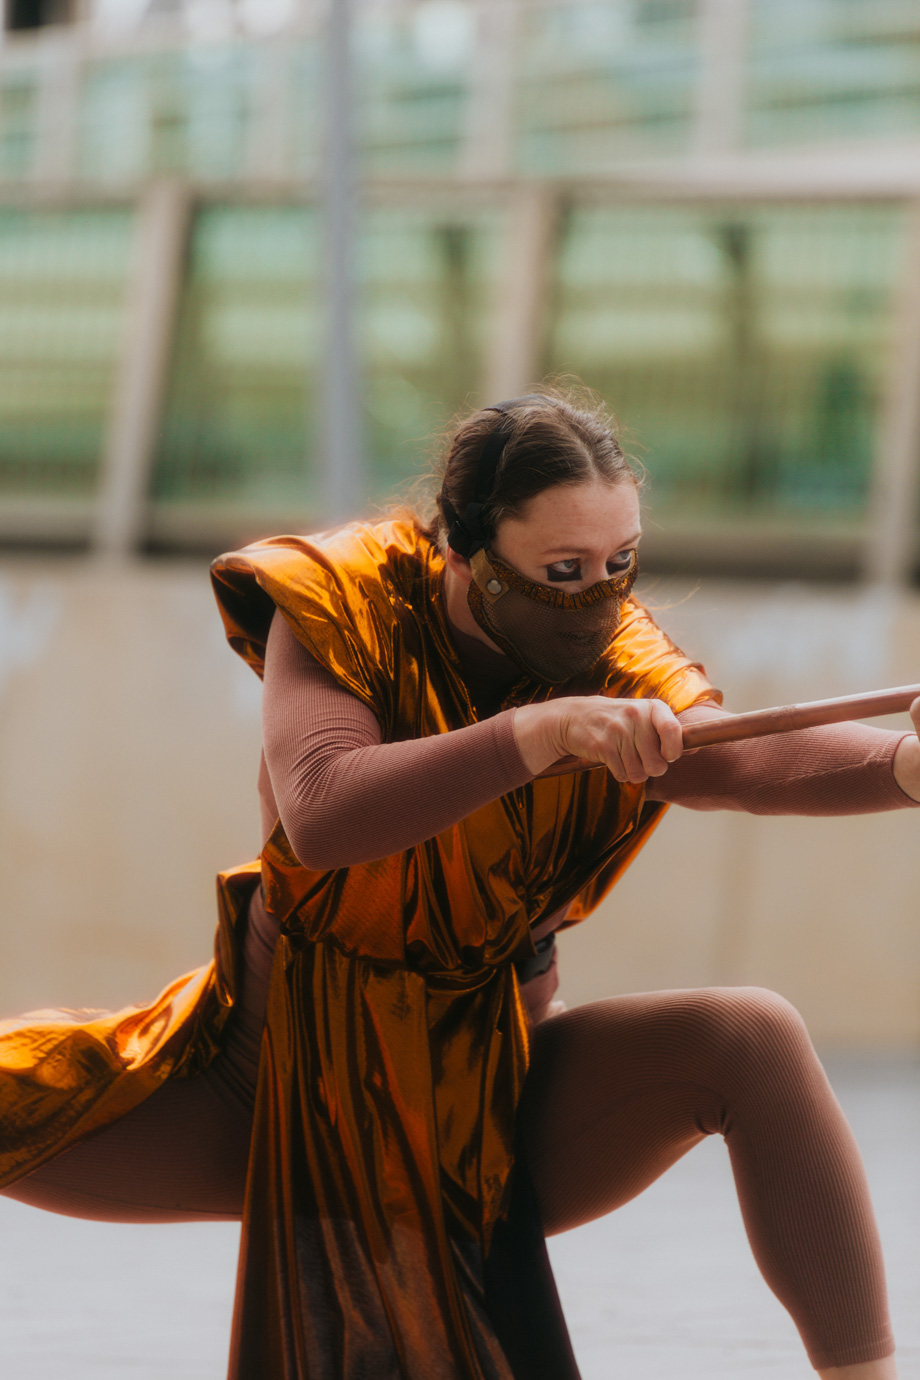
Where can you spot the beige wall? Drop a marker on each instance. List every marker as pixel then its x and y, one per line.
pixel 129 739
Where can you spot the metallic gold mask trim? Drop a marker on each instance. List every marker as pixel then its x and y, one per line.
pixel 553 635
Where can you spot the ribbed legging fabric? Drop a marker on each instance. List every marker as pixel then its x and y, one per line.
pixel 182 1154
pixel 617 1092
pixel 621 1089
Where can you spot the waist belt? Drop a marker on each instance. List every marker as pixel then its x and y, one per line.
pixel 529 968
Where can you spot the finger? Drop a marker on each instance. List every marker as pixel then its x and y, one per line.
pixel 648 749
pixel 654 729
pixel 632 737
pixel 670 735
pixel 915 714
pixel 632 756
pixel 622 761
pixel 616 768
pixel 629 774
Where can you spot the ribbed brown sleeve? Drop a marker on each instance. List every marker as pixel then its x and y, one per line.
pixel 842 769
pixel 342 795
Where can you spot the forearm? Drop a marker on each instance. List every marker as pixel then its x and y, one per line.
pixel 343 796
pixel 840 769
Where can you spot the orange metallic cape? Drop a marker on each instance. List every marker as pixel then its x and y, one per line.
pixel 396 1042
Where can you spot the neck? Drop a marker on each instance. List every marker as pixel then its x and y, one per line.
pixel 458 610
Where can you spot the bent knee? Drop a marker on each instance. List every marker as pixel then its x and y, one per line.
pixel 757 1024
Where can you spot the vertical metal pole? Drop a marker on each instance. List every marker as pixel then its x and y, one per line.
pixel 153 300
pixel 488 130
pixel 720 91
pixel 515 358
pixel 342 402
pixel 895 492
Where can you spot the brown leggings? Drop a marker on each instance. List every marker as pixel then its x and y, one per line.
pixel 617 1092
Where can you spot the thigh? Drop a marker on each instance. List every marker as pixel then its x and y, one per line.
pixel 179 1156
pixel 183 1153
pixel 617 1091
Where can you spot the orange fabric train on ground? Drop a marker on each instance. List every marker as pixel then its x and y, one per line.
pixel 396 1043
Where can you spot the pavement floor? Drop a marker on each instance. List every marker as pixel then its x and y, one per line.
pixel 665 1287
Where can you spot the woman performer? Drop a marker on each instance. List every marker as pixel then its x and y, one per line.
pixel 421 1116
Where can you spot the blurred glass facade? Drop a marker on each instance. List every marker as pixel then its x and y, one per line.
pixel 242 411
pixel 744 348
pixel 832 69
pixel 598 82
pixel 744 343
pixel 241 390
pixel 63 280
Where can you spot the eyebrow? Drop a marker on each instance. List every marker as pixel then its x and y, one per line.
pixel 580 551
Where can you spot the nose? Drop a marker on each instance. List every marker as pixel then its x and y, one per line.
pixel 592 570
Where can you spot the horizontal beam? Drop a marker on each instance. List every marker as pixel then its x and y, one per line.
pixel 671 544
pixel 879 176
pixel 32 520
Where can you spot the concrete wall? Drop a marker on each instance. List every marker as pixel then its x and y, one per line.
pixel 129 743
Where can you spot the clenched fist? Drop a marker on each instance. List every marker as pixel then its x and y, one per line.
pixel 634 739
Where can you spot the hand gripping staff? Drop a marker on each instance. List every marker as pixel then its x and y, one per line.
pixel 784 718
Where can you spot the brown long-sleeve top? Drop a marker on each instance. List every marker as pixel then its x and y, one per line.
pixel 345 797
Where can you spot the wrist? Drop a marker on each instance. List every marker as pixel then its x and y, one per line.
pixel 536 735
pixel 906 766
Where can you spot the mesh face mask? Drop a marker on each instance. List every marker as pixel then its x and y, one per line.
pixel 553 635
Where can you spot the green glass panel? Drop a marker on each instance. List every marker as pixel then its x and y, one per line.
pixel 62 295
pixel 112 133
pixel 415 71
pixel 242 421
pixel 599 80
pixel 240 416
pixel 832 69
pixel 305 94
pixel 427 283
pixel 18 111
pixel 743 349
pixel 185 111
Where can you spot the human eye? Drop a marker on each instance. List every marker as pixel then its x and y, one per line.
pixel 620 562
pixel 560 571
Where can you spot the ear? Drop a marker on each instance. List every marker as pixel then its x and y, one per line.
pixel 459 566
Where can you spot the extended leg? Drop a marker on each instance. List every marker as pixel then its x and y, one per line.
pixel 182 1154
pixel 619 1090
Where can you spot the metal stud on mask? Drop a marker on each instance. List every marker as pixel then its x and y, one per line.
pixel 553 635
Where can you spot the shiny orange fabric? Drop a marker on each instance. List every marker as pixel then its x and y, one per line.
pixel 64 1074
pixel 396 1043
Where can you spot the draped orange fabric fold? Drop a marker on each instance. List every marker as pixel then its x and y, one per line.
pixel 396 1042
pixel 66 1073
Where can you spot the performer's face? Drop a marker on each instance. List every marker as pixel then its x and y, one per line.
pixel 570 538
pixel 572 535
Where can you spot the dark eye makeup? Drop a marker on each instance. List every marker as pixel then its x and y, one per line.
pixel 561 571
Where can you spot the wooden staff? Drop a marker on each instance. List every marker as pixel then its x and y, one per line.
pixel 785 718
pixel 788 717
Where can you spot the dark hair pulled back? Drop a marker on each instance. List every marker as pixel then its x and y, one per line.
pixel 552 438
